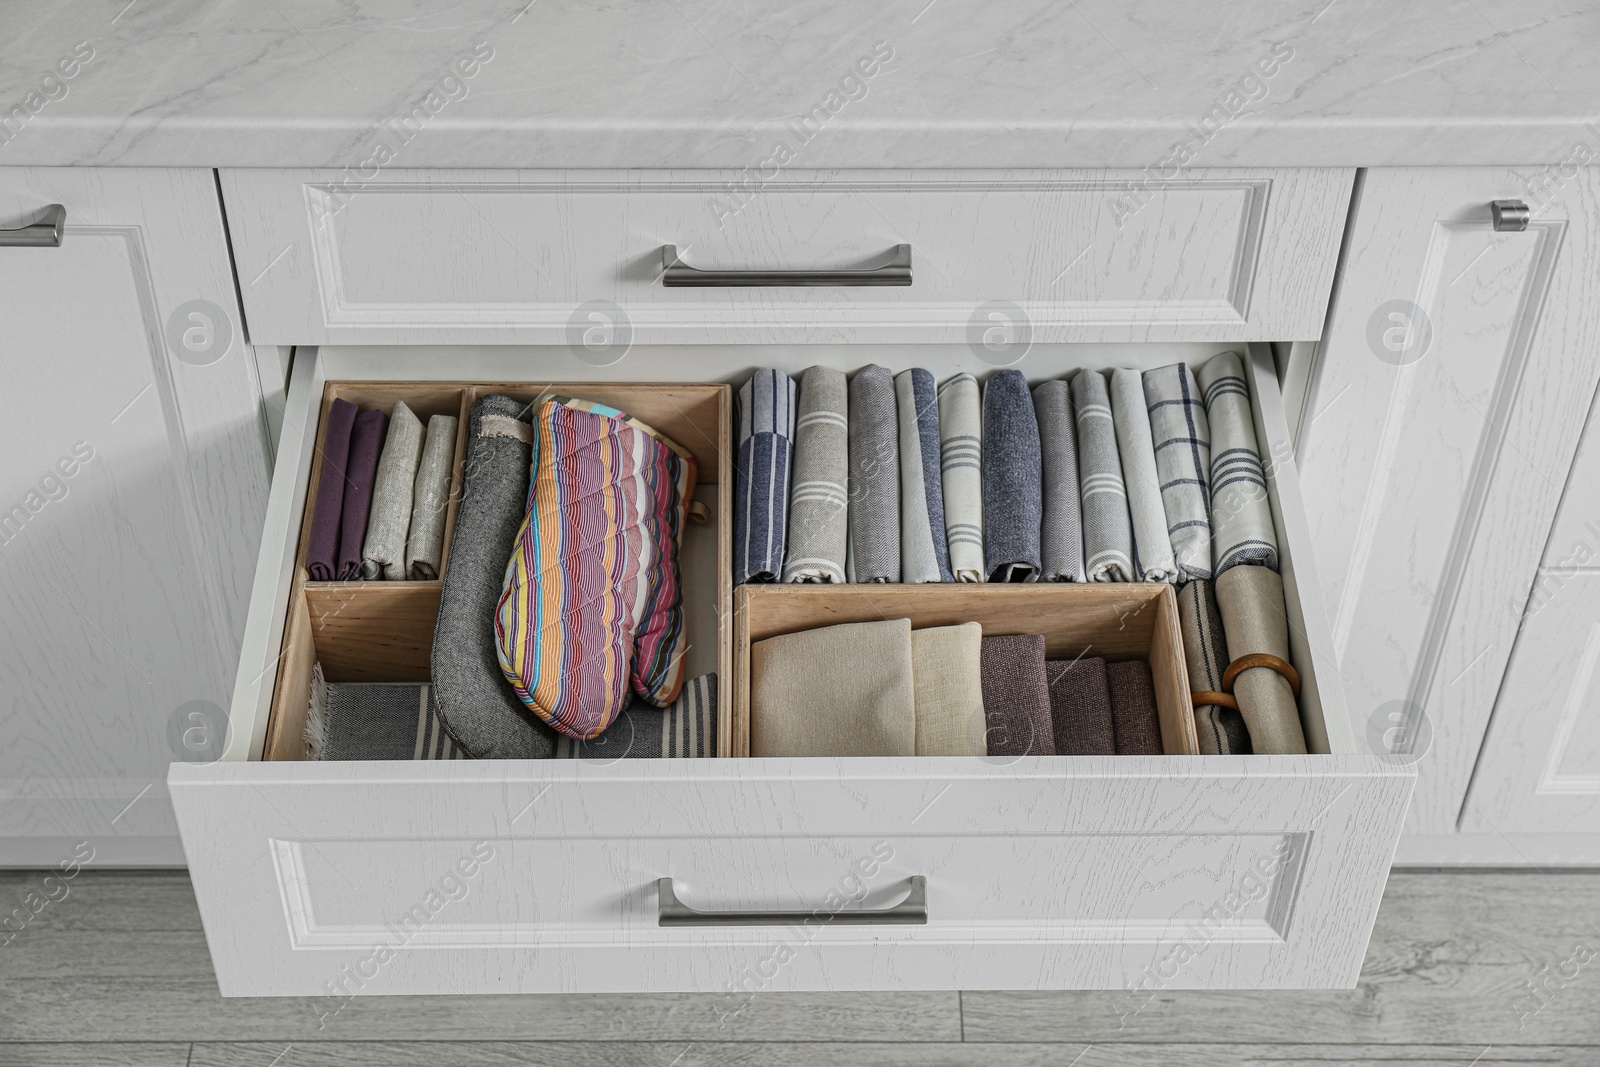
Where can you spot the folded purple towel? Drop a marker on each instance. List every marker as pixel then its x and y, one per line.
pixel 324 546
pixel 1133 708
pixel 1016 696
pixel 361 474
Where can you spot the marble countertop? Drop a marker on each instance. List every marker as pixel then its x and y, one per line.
pixel 808 84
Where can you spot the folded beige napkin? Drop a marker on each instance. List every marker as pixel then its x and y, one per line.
pixel 949 690
pixel 1251 599
pixel 841 690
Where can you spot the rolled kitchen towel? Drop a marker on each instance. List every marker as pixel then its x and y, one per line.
pixel 764 415
pixel 1080 707
pixel 1016 696
pixel 383 553
pixel 1253 618
pixel 946 675
pixel 873 554
pixel 361 473
pixel 819 509
pixel 322 553
pixel 1241 514
pixel 961 472
pixel 1133 708
pixel 841 690
pixel 1152 550
pixel 373 720
pixel 924 554
pixel 1013 505
pixel 430 497
pixel 1183 462
pixel 1061 529
pixel 473 699
pixel 687 729
pixel 1221 730
pixel 1107 530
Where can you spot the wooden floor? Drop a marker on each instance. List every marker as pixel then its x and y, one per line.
pixel 116 972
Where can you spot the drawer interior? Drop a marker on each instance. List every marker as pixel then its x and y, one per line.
pixel 383 631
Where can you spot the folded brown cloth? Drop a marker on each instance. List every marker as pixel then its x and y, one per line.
pixel 947 677
pixel 1251 599
pixel 1080 707
pixel 1205 650
pixel 1133 708
pixel 841 690
pixel 1016 696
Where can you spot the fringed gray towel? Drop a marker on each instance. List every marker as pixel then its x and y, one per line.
pixel 367 720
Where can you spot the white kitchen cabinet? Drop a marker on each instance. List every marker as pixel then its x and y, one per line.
pixel 1539 771
pixel 1455 374
pixel 525 257
pixel 1137 873
pixel 135 480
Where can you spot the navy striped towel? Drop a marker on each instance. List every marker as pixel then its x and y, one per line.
pixel 1183 462
pixel 924 553
pixel 1241 514
pixel 764 411
pixel 960 467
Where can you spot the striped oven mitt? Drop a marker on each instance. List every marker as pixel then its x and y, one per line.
pixel 592 604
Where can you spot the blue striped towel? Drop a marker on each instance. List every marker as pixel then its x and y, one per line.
pixel 764 422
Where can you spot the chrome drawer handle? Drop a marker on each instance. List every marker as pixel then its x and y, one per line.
pixel 675 272
pixel 1510 216
pixel 912 911
pixel 44 232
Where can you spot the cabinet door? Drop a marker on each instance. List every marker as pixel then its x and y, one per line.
pixel 1539 771
pixel 1455 373
pixel 131 496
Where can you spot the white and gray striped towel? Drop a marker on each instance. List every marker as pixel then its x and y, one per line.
pixel 924 554
pixel 819 510
pixel 687 729
pixel 873 554
pixel 764 416
pixel 1241 514
pixel 1152 550
pixel 1061 532
pixel 1107 530
pixel 961 471
pixel 1183 461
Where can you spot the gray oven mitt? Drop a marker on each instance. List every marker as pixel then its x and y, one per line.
pixel 471 695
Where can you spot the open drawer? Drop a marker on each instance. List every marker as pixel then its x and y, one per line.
pixel 1131 872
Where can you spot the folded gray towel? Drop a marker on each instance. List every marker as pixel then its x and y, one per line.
pixel 643 731
pixel 1061 530
pixel 1182 438
pixel 383 552
pixel 961 474
pixel 1241 513
pixel 924 553
pixel 368 720
pixel 430 498
pixel 1107 530
pixel 1134 716
pixel 819 509
pixel 471 694
pixel 873 554
pixel 1013 506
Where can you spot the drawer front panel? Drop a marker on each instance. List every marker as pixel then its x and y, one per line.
pixel 494 257
pixel 1050 872
pixel 1044 872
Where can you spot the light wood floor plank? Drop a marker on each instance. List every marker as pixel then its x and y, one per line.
pixel 1450 962
pixel 831 1054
